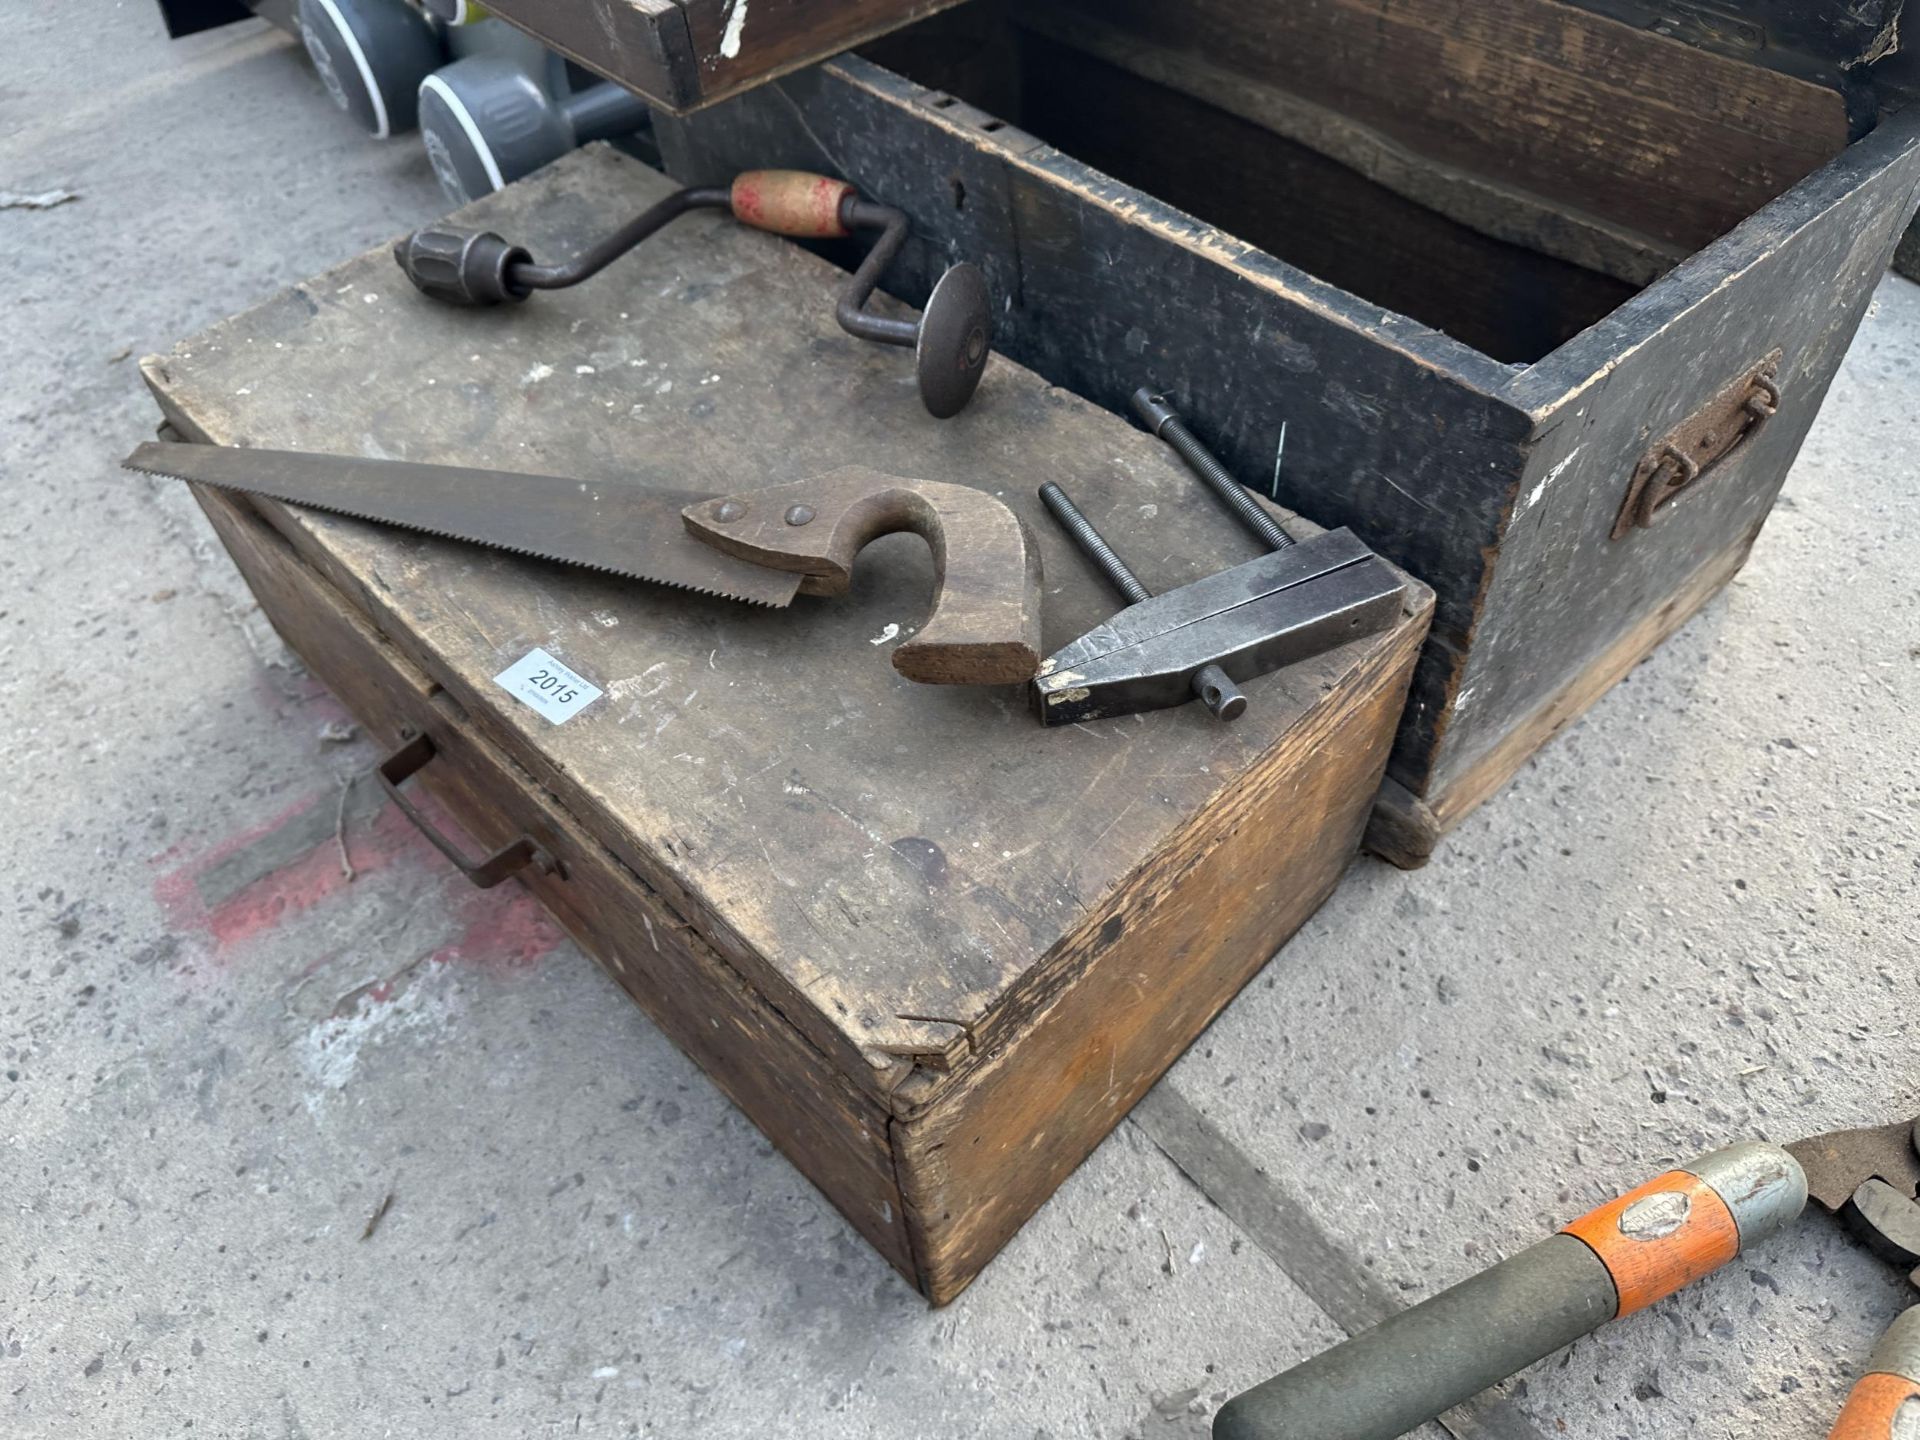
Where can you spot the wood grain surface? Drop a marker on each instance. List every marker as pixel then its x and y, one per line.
pixel 1149 972
pixel 1617 122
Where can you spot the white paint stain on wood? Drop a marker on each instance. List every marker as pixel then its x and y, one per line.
pixel 736 23
pixel 1552 475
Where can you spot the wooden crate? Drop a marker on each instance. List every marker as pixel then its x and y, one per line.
pixel 681 54
pixel 934 950
pixel 1450 275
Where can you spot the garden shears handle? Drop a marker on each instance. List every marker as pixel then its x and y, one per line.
pixel 1885 1405
pixel 1611 1262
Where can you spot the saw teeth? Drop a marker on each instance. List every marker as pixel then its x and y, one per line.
pixel 458 539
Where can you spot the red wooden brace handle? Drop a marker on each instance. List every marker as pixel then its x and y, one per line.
pixel 791 202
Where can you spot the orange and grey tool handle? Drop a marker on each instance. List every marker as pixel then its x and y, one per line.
pixel 1620 1258
pixel 1885 1405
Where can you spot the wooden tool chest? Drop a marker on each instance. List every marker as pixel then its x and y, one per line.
pixel 933 949
pixel 1539 298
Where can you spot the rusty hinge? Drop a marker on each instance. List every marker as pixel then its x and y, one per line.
pixel 1690 452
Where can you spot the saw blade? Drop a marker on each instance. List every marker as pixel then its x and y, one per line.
pixel 620 529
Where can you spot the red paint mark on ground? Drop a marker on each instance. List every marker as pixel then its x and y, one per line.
pixel 241 839
pixel 313 876
pixel 503 930
pixel 177 889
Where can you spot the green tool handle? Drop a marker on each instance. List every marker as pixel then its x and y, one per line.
pixel 1612 1261
pixel 1390 1379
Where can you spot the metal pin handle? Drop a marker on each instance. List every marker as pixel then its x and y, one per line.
pixel 1159 417
pixel 1211 684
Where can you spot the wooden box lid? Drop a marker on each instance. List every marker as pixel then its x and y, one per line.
pixel 682 54
pixel 904 870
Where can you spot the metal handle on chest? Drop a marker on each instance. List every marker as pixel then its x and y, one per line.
pixel 1686 455
pixel 408 761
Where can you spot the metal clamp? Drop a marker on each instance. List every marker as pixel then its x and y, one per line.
pixel 408 761
pixel 1687 454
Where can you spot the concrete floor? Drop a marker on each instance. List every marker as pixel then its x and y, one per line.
pixel 1692 921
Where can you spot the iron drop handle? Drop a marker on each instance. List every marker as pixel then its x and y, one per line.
pixel 1617 1259
pixel 408 761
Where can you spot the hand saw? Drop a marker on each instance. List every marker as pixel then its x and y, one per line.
pixel 761 546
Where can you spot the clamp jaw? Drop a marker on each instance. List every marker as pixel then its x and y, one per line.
pixel 1299 600
pixel 1282 608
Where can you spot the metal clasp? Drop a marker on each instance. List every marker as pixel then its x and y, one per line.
pixel 1691 451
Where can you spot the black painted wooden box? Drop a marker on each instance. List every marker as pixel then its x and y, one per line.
pixel 1540 300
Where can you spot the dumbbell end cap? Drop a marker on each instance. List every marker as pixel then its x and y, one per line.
pixel 956 335
pixel 462 267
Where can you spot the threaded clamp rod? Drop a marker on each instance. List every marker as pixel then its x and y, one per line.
pixel 1158 416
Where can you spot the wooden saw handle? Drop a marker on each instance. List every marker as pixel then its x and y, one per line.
pixel 985 625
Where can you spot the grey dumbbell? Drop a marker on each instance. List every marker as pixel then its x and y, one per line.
pixel 372 56
pixel 487 121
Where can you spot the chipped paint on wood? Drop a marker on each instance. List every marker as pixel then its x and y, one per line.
pixel 736 26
